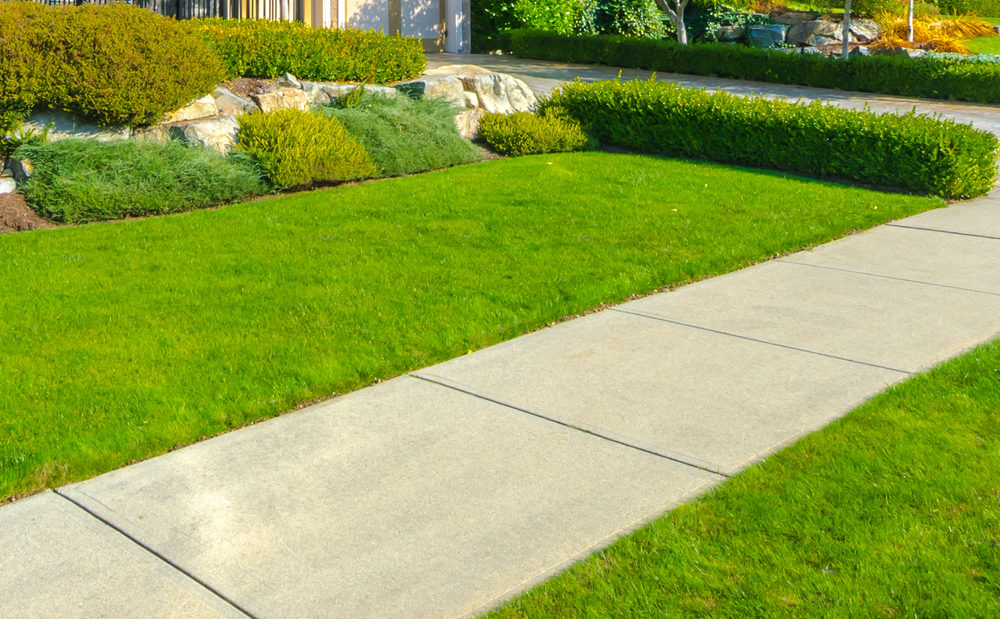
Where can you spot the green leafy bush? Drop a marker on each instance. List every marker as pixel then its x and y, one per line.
pixel 911 152
pixel 490 18
pixel 988 8
pixel 114 64
pixel 264 49
pixel 77 181
pixel 404 136
pixel 295 148
pixel 524 133
pixel 916 77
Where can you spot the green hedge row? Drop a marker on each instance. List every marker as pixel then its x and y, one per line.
pixel 934 78
pixel 114 64
pixel 261 48
pixel 909 152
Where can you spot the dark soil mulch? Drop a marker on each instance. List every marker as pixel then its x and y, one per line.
pixel 16 216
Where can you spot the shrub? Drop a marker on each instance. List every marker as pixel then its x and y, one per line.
pixel 524 133
pixel 295 148
pixel 264 49
pixel 114 64
pixel 935 78
pixel 989 8
pixel 490 18
pixel 404 136
pixel 81 180
pixel 912 152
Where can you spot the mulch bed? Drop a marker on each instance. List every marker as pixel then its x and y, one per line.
pixel 16 216
pixel 244 87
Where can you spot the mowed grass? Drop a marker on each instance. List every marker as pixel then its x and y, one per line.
pixel 120 341
pixel 983 45
pixel 892 511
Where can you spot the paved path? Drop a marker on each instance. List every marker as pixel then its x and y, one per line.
pixel 440 493
pixel 543 76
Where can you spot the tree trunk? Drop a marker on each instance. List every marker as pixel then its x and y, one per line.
pixel 676 17
pixel 846 50
pixel 909 22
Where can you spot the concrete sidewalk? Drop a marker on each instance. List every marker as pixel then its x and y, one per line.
pixel 543 76
pixel 441 493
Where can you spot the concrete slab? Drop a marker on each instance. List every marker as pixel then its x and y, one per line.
pixel 701 397
pixel 977 217
pixel 892 323
pixel 405 499
pixel 918 255
pixel 58 561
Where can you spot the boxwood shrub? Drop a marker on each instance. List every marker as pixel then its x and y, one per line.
pixel 937 78
pixel 525 133
pixel 80 180
pixel 114 64
pixel 910 152
pixel 295 147
pixel 264 49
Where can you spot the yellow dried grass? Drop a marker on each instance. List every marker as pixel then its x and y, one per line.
pixel 931 32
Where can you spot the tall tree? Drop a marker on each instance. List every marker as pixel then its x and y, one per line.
pixel 676 14
pixel 846 50
pixel 909 21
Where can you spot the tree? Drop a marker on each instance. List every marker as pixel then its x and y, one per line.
pixel 846 50
pixel 676 14
pixel 909 21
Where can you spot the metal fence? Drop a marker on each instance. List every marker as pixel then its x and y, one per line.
pixel 195 9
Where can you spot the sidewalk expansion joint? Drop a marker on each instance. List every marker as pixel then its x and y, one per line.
pixel 584 430
pixel 980 236
pixel 156 554
pixel 892 277
pixel 759 341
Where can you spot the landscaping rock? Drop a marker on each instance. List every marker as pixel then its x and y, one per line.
pixel 494 92
pixel 315 93
pixel 289 81
pixel 794 17
pixel 156 133
pixel 21 169
pixel 769 35
pixel 814 33
pixel 65 126
pixel 230 104
pixel 900 51
pixel 865 30
pixel 520 96
pixel 446 87
pixel 202 107
pixel 471 100
pixel 7 185
pixel 335 90
pixel 996 29
pixel 468 122
pixel 281 98
pixel 490 92
pixel 218 134
pixel 729 34
pixel 860 50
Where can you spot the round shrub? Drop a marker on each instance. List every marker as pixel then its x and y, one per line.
pixel 114 65
pixel 296 148
pixel 264 49
pixel 524 133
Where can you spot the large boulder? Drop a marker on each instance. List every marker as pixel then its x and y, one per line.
pixel 791 18
pixel 768 35
pixel 280 99
pixel 217 133
pixel 816 32
pixel 445 87
pixel 467 122
pixel 493 92
pixel 728 34
pixel 7 185
pixel 231 104
pixel 202 107
pixel 61 125
pixel 865 30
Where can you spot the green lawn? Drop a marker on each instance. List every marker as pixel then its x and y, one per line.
pixel 119 341
pixel 983 45
pixel 892 511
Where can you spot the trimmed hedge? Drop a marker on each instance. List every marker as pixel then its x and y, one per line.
pixel 988 8
pixel 911 152
pixel 934 78
pixel 296 148
pixel 114 64
pixel 265 49
pixel 403 135
pixel 81 180
pixel 524 133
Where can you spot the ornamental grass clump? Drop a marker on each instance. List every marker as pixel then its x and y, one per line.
pixel 404 136
pixel 80 180
pixel 295 147
pixel 525 133
pixel 916 153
